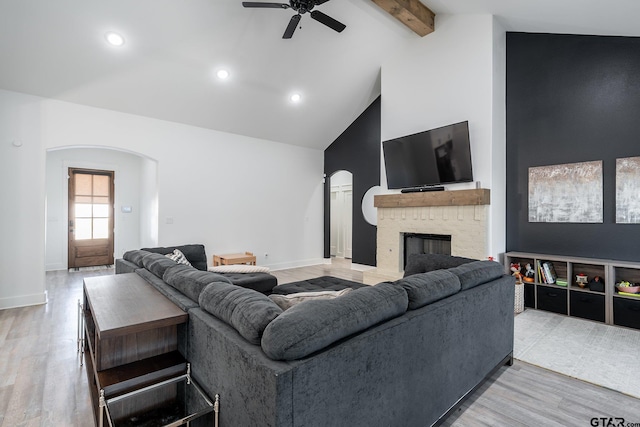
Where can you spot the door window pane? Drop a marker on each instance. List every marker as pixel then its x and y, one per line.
pixel 100 228
pixel 101 211
pixel 83 184
pixel 83 210
pixel 83 228
pixel 100 185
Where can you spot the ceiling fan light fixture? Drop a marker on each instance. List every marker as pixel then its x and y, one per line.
pixel 114 39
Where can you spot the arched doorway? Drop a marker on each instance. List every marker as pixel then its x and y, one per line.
pixel 135 206
pixel 341 220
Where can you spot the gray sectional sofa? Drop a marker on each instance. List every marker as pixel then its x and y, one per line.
pixel 195 254
pixel 401 353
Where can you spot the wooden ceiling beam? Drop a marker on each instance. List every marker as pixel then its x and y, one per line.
pixel 411 13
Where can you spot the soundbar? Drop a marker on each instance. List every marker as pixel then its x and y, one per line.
pixel 421 189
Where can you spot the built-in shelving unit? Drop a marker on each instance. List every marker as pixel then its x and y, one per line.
pixel 572 299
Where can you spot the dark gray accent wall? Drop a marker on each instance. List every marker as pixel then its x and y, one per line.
pixel 357 150
pixel 571 99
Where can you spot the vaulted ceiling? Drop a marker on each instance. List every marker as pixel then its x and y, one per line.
pixel 173 48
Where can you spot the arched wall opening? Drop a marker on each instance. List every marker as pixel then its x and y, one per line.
pixel 341 216
pixel 135 198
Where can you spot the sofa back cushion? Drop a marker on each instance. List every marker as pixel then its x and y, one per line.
pixel 135 256
pixel 195 253
pixel 426 288
pixel 157 264
pixel 285 302
pixel 422 263
pixel 247 311
pixel 261 282
pixel 477 272
pixel 313 325
pixel 190 281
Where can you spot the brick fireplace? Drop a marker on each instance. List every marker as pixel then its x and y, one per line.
pixel 461 214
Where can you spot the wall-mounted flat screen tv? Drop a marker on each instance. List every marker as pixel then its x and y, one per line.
pixel 433 157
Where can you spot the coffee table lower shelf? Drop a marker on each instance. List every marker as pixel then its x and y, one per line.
pixel 172 402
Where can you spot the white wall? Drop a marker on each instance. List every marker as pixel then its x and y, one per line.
pixel 148 203
pixel 231 193
pixel 448 77
pixel 22 195
pixel 498 225
pixel 127 168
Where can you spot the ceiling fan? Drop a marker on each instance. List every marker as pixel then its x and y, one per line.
pixel 301 7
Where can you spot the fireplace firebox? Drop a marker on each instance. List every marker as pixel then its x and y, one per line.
pixel 416 243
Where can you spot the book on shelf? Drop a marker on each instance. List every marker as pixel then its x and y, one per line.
pixel 541 277
pixel 550 272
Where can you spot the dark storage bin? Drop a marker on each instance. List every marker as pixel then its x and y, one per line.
pixel 552 299
pixel 529 295
pixel 587 305
pixel 626 312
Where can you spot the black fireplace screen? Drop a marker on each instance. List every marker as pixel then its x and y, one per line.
pixel 415 243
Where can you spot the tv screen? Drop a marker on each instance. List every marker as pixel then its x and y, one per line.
pixel 433 157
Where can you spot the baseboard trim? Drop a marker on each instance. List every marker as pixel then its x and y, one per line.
pixel 23 301
pixel 361 267
pixel 296 264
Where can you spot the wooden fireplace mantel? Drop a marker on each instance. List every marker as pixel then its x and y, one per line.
pixel 481 196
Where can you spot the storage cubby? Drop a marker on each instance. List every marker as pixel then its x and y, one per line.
pixel 591 271
pixel 626 312
pixel 529 295
pixel 587 305
pixel 596 300
pixel 552 298
pixel 626 274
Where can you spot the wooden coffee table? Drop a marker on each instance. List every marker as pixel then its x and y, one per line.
pixel 229 259
pixel 130 334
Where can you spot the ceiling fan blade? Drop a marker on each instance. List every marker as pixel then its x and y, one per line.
pixel 293 24
pixel 328 21
pixel 318 2
pixel 265 5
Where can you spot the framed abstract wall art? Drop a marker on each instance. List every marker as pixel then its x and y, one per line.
pixel 570 192
pixel 628 190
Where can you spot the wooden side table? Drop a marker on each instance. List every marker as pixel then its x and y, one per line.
pixel 229 259
pixel 129 344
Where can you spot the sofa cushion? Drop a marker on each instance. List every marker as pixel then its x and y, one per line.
pixel 178 257
pixel 177 297
pixel 426 288
pixel 190 281
pixel 157 264
pixel 248 312
pixel 477 272
pixel 135 256
pixel 422 263
pixel 324 283
pixel 239 268
pixel 312 326
pixel 261 282
pixel 195 253
pixel 287 301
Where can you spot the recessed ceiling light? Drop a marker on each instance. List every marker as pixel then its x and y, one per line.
pixel 114 39
pixel 222 74
pixel 296 97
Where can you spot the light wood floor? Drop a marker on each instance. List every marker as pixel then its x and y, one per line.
pixel 42 384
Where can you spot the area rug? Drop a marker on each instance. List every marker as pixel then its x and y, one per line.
pixel 608 356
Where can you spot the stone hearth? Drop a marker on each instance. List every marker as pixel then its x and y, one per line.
pixel 462 214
